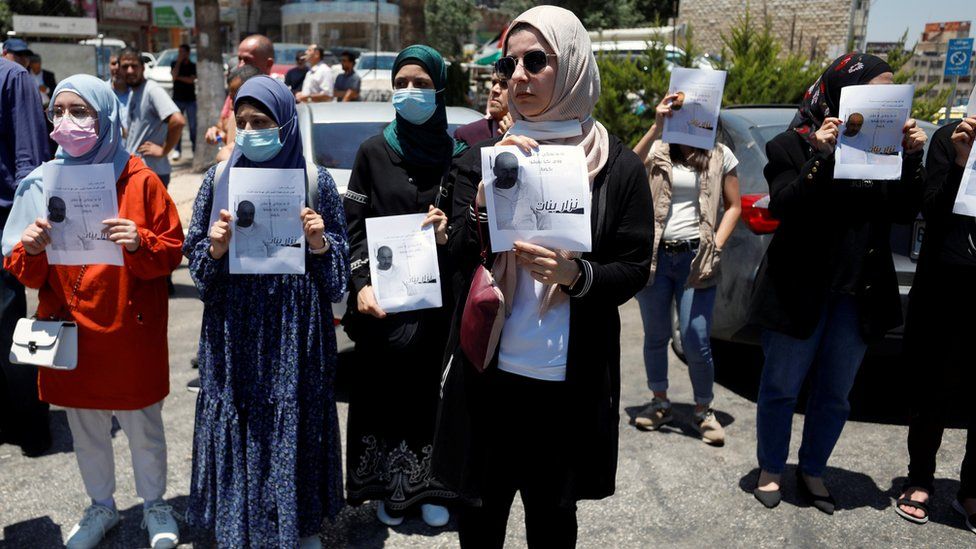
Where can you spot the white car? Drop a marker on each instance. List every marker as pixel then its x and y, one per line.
pixel 332 133
pixel 375 70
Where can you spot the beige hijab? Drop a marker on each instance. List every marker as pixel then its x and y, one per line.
pixel 575 95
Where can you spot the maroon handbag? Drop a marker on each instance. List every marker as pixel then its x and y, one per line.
pixel 484 313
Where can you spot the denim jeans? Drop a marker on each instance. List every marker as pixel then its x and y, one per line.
pixel 835 351
pixel 694 324
pixel 189 109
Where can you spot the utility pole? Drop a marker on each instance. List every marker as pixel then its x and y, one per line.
pixel 210 79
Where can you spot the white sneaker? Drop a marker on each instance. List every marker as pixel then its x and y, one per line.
pixel 97 520
pixel 163 531
pixel 434 515
pixel 385 518
pixel 175 155
pixel 310 542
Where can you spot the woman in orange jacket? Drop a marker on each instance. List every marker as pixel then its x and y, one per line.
pixel 121 312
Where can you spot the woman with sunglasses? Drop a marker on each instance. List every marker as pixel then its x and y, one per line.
pixel 393 399
pixel 121 312
pixel 543 418
pixel 826 286
pixel 267 461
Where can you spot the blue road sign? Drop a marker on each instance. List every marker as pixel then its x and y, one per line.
pixel 958 57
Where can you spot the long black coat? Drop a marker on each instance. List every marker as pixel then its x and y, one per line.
pixel 832 232
pixel 622 234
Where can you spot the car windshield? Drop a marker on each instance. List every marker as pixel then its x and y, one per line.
pixel 368 62
pixel 336 143
pixel 168 57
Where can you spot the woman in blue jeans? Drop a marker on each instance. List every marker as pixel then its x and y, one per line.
pixel 686 185
pixel 827 284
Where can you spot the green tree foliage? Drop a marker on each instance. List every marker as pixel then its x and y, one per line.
pixel 617 14
pixel 33 7
pixel 923 108
pixel 630 87
pixel 449 25
pixel 759 72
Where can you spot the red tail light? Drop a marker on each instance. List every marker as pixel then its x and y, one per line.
pixel 755 214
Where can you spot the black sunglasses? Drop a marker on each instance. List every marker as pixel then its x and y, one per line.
pixel 533 61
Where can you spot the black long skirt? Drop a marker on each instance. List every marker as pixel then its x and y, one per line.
pixel 392 415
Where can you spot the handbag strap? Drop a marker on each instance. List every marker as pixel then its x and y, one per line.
pixel 72 302
pixel 481 238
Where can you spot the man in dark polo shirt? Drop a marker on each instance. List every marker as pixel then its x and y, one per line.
pixel 185 94
pixel 346 87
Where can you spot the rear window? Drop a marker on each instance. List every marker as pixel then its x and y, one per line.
pixel 369 62
pixel 336 144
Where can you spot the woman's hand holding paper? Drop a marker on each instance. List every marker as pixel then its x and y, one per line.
pixel 825 139
pixel 366 303
pixel 545 265
pixel 314 229
pixel 914 137
pixel 123 232
pixel 437 218
pixel 36 237
pixel 962 139
pixel 220 235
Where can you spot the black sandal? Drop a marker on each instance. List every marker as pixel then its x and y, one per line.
pixel 970 519
pixel 922 506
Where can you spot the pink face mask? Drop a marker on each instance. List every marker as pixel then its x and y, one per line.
pixel 76 140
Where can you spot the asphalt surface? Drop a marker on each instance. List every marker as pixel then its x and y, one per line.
pixel 672 489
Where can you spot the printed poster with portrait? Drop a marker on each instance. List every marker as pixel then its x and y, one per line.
pixel 966 196
pixel 542 198
pixel 870 142
pixel 78 199
pixel 694 114
pixel 267 235
pixel 403 266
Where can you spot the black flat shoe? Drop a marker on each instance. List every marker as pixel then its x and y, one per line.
pixel 825 504
pixel 769 498
pixel 970 519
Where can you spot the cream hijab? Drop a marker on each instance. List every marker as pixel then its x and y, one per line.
pixel 565 121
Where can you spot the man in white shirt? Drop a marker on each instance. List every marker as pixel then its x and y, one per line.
pixel 517 204
pixel 320 80
pixel 66 234
pixel 253 238
pixel 391 283
pixel 855 145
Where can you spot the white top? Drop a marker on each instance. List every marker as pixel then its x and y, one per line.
pixel 855 149
pixel 253 241
pixel 683 219
pixel 532 346
pixel 390 283
pixel 320 79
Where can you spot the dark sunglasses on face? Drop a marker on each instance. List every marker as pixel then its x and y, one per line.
pixel 500 82
pixel 533 62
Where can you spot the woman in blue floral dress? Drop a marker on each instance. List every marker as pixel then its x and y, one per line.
pixel 267 454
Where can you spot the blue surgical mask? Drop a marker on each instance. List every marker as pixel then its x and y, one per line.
pixel 259 145
pixel 414 104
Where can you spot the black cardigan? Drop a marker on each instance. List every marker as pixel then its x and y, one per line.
pixel 833 236
pixel 616 269
pixel 382 183
pixel 947 234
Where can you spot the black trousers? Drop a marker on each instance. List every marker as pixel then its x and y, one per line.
pixel 523 440
pixel 938 341
pixel 23 417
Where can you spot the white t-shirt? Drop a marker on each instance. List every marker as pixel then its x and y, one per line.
pixel 683 219
pixel 320 79
pixel 532 346
pixel 390 284
pixel 855 149
pixel 254 241
pixel 516 209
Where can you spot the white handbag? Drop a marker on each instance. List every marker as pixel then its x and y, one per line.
pixel 48 343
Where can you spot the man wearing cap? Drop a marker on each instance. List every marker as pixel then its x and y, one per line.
pixel 23 147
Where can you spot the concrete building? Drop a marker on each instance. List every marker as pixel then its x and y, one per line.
pixel 350 23
pixel 813 28
pixel 929 60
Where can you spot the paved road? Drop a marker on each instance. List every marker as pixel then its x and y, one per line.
pixel 671 489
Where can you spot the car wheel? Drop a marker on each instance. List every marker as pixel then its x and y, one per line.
pixel 676 333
